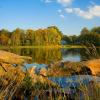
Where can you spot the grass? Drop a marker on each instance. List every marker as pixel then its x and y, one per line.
pixel 17 84
pixel 22 85
pixel 17 87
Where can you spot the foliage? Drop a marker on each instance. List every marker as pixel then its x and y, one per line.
pixel 19 37
pixel 90 38
pixel 4 37
pixel 27 85
pixel 96 30
pixel 48 36
pixel 85 31
pixel 86 37
pixel 66 39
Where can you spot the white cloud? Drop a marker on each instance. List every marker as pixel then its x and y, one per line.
pixel 82 13
pixel 64 2
pixel 69 10
pixel 90 13
pixel 95 11
pixel 62 16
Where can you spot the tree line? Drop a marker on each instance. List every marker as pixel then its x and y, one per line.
pixel 86 37
pixel 48 36
pixel 19 37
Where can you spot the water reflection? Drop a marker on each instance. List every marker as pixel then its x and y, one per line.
pixel 39 55
pixel 80 54
pixel 49 55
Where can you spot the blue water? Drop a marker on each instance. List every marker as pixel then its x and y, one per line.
pixel 66 81
pixel 70 57
pixel 35 65
pixel 74 81
pixel 69 84
pixel 38 67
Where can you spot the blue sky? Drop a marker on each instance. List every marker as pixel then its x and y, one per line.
pixel 70 16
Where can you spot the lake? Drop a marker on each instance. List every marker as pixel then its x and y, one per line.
pixel 49 55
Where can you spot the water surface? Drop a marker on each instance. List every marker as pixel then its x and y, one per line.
pixel 49 55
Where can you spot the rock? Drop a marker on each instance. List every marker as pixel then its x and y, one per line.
pixel 94 65
pixel 11 58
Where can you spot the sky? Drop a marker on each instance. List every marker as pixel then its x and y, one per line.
pixel 70 16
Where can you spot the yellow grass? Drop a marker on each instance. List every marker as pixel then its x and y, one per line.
pixel 94 65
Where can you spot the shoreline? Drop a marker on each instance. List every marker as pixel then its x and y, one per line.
pixel 51 46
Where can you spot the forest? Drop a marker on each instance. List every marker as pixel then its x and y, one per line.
pixel 48 36
pixel 86 37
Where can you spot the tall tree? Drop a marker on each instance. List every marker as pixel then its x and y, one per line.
pixel 4 37
pixel 96 30
pixel 17 37
pixel 84 31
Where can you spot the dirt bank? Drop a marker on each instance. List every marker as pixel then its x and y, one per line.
pixel 94 65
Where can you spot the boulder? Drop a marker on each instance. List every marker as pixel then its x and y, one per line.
pixel 11 58
pixel 94 65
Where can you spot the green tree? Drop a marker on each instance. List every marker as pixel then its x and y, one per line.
pixel 91 38
pixel 67 39
pixel 54 35
pixel 85 31
pixel 4 37
pixel 73 39
pixel 96 30
pixel 30 37
pixel 17 37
